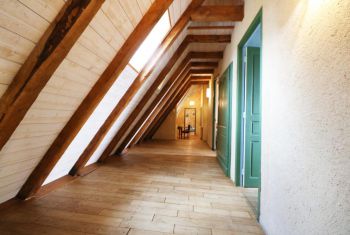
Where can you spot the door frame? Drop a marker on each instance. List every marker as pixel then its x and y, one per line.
pixel 195 119
pixel 228 70
pixel 256 21
pixel 213 138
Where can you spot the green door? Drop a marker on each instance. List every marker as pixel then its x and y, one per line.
pixel 223 139
pixel 253 120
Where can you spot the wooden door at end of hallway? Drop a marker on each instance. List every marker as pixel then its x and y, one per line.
pixel 253 120
pixel 223 141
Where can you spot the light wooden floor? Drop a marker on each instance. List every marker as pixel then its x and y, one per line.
pixel 141 194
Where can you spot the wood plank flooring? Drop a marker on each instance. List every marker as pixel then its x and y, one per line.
pixel 148 193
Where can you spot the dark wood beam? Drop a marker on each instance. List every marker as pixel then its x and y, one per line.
pixel 191 55
pixel 218 27
pixel 195 78
pixel 209 38
pixel 202 71
pixel 139 81
pixel 42 62
pixel 204 64
pixel 217 13
pixel 206 55
pixel 90 102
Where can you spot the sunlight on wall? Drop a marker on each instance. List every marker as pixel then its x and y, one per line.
pixel 151 43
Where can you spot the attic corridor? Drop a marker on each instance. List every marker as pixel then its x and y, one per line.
pixel 159 187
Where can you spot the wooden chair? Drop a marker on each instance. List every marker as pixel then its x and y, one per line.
pixel 179 129
pixel 187 131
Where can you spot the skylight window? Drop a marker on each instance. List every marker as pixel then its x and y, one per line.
pixel 151 43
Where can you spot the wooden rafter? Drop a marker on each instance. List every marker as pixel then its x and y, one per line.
pixel 42 62
pixel 207 27
pixel 217 13
pixel 153 88
pixel 90 102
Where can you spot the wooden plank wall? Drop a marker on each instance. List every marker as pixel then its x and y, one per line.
pixel 23 22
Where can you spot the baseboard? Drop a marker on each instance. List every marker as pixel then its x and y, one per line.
pixel 47 188
pixel 88 169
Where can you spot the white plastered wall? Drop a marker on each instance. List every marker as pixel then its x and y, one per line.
pixel 305 114
pixel 306 117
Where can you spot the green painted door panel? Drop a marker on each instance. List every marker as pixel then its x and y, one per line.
pixel 223 144
pixel 253 120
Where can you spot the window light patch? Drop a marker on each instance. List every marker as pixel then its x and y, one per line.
pixel 151 43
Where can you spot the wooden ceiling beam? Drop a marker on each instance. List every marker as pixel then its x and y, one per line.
pixel 202 71
pixel 42 62
pixel 90 102
pixel 205 64
pixel 204 27
pixel 216 13
pixel 206 55
pixel 209 38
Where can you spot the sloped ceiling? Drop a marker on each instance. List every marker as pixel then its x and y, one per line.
pixel 23 22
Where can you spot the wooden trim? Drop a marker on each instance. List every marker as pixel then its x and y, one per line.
pixel 217 13
pixel 42 62
pixel 210 27
pixel 154 87
pixel 9 203
pixel 88 169
pixel 90 102
pixel 47 188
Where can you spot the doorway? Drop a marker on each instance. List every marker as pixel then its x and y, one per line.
pixel 190 119
pixel 223 135
pixel 248 136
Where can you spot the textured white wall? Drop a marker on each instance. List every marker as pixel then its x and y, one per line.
pixel 306 117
